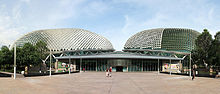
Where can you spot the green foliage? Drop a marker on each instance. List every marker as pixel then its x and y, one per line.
pixel 1 57
pixel 29 55
pixel 6 58
pixel 214 52
pixel 217 36
pixel 25 56
pixel 204 41
pixel 203 44
pixel 207 50
pixel 196 57
pixel 42 49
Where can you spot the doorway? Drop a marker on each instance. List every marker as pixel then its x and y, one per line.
pixel 119 68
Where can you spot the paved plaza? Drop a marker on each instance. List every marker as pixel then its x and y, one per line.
pixel 119 83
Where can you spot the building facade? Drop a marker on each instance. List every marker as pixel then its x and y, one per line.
pixel 162 49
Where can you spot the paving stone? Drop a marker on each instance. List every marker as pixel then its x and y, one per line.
pixel 119 83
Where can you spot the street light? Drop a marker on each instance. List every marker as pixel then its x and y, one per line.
pixel 190 64
pixel 15 61
pixel 69 62
pixel 170 66
pixel 50 61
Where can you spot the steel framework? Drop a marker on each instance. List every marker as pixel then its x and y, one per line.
pixel 66 39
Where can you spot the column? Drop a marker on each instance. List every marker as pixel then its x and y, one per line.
pixel 190 65
pixel 158 68
pixel 170 66
pixel 96 65
pixel 69 63
pixel 142 65
pixel 80 65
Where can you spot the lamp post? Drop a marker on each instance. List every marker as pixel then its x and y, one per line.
pixel 50 61
pixel 170 66
pixel 158 69
pixel 15 62
pixel 190 64
pixel 69 62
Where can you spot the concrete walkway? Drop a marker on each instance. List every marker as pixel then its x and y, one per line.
pixel 9 74
pixel 119 83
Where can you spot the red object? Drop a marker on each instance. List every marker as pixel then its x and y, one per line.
pixel 106 70
pixel 110 70
pixel 84 69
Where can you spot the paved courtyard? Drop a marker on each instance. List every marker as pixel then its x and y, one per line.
pixel 119 83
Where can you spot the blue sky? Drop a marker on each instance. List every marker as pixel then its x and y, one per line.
pixel 117 20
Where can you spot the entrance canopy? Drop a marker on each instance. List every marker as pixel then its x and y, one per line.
pixel 121 55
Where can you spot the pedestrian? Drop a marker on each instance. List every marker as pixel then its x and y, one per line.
pixel 217 73
pixel 84 69
pixel 71 68
pixel 107 72
pixel 110 72
pixel 194 74
pixel 66 67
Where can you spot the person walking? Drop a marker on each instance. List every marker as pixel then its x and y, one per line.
pixel 84 69
pixel 110 72
pixel 106 72
pixel 194 74
pixel 217 73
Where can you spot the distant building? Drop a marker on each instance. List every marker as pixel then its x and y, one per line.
pixel 162 49
pixel 174 39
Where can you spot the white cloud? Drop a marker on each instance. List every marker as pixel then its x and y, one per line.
pixel 127 24
pixel 26 1
pixel 18 18
pixel 8 35
pixel 131 16
pixel 186 14
pixel 196 15
pixel 95 8
pixel 8 25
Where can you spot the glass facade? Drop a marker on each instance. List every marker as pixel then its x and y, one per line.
pixel 89 65
pixel 102 64
pixel 179 39
pixel 123 65
pixel 135 65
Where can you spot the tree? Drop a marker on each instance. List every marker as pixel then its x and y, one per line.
pixel 42 49
pixel 196 57
pixel 6 58
pixel 203 44
pixel 217 36
pixel 25 56
pixel 214 52
pixel 1 59
pixel 28 56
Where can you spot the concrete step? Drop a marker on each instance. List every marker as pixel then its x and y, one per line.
pixel 18 75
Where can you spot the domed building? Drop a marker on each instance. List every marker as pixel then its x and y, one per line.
pixel 148 50
pixel 165 42
pixel 172 39
pixel 66 39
